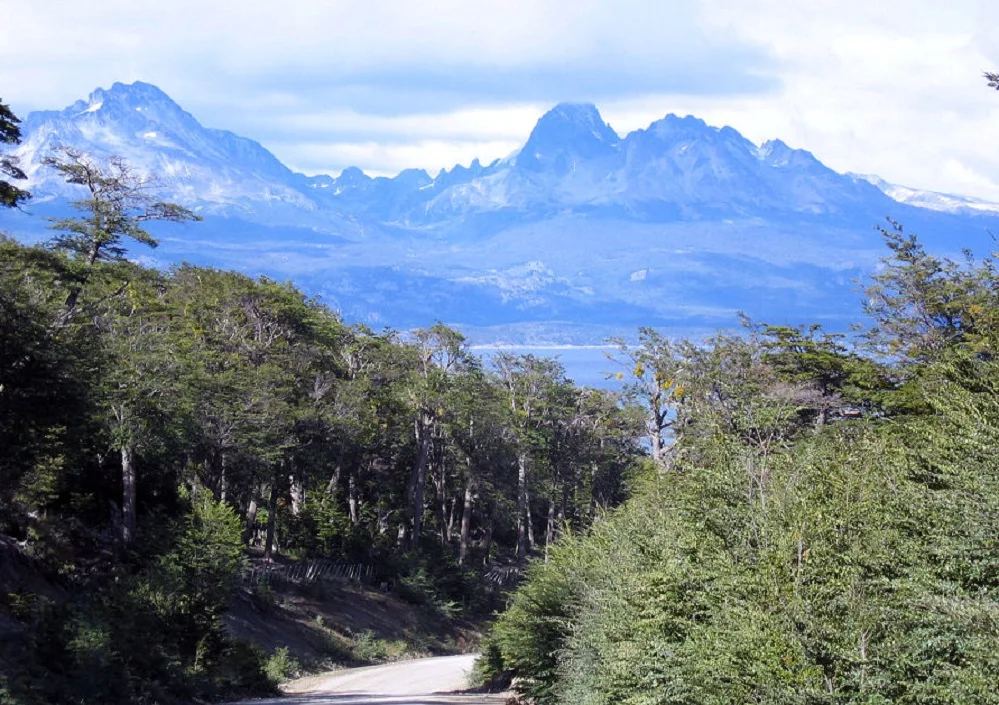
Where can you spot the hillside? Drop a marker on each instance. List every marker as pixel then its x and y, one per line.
pixel 311 625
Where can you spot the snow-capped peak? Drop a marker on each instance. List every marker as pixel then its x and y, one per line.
pixel 777 153
pixel 141 123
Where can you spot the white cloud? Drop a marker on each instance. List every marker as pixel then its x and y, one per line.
pixel 187 43
pixel 509 123
pixel 389 159
pixel 891 87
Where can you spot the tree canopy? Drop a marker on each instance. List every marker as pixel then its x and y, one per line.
pixel 825 532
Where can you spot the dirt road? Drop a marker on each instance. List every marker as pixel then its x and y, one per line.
pixel 429 681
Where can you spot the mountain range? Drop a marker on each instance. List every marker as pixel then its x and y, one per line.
pixel 580 234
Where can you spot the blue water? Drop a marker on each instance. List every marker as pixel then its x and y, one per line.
pixel 586 366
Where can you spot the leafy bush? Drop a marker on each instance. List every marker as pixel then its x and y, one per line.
pixel 263 597
pixel 154 635
pixel 280 666
pixel 862 574
pixel 368 648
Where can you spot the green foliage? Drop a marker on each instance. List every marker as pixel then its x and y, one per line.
pixel 530 635
pixel 369 649
pixel 193 582
pixel 10 133
pixel 695 593
pixel 156 425
pixel 443 589
pixel 263 597
pixel 796 553
pixel 923 304
pixel 280 666
pixel 154 634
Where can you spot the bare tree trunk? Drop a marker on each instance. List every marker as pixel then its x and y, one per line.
pixel 271 518
pixel 523 508
pixel 128 499
pixel 550 527
pixel 466 523
pixel 599 495
pixel 334 482
pixel 487 541
pixel 450 518
pixel 440 494
pixel 251 518
pixel 657 445
pixel 418 480
pixel 70 306
pixel 531 543
pixel 657 423
pixel 223 478
pixel 297 495
pixel 352 502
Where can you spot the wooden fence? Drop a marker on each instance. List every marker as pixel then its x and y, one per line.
pixel 503 576
pixel 305 573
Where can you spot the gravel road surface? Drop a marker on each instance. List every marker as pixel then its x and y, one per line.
pixel 431 681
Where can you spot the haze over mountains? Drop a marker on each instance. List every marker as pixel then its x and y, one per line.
pixel 581 234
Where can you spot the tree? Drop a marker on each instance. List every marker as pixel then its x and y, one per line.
pixel 141 386
pixel 993 79
pixel 44 378
pixel 655 371
pixel 440 354
pixel 10 133
pixel 118 202
pixel 535 388
pixel 923 304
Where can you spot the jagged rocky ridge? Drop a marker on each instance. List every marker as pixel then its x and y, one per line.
pixel 580 234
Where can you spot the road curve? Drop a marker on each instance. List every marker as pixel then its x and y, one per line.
pixel 431 681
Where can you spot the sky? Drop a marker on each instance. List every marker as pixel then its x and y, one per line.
pixel 889 87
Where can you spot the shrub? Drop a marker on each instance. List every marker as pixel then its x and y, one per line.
pixel 280 666
pixel 368 648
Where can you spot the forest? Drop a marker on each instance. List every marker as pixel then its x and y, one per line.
pixel 160 426
pixel 823 526
pixel 170 420
pixel 774 515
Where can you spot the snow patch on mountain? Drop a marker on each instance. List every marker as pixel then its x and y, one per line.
pixel 201 167
pixel 933 200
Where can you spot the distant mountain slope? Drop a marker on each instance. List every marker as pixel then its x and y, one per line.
pixel 677 225
pixel 143 124
pixel 945 202
pixel 214 171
